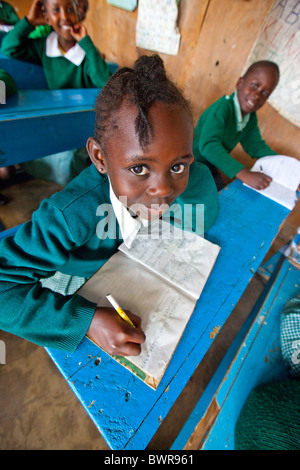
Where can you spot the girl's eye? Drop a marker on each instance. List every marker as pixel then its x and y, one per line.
pixel 179 168
pixel 254 85
pixel 140 170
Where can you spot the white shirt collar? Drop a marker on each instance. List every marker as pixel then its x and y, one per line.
pixel 241 121
pixel 75 55
pixel 129 225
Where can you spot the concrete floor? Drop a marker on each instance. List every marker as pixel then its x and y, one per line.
pixel 38 409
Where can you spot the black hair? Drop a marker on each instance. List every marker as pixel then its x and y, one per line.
pixel 263 64
pixel 142 85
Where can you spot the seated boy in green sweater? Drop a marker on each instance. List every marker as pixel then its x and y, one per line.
pixel 232 120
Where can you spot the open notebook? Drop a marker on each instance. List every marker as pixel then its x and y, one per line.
pixel 285 174
pixel 160 279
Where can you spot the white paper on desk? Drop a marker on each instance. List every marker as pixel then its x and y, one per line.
pixel 163 308
pixel 285 174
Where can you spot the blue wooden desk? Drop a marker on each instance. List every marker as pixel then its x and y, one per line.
pixel 36 123
pixel 258 360
pixel 125 410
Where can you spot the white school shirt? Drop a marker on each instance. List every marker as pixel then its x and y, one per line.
pixel 75 55
pixel 129 225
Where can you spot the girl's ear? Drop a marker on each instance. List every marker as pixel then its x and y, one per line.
pixel 96 155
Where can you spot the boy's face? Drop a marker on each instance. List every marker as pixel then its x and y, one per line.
pixel 82 7
pixel 62 16
pixel 254 89
pixel 150 179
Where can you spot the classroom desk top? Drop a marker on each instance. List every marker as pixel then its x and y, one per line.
pixel 36 123
pixel 125 410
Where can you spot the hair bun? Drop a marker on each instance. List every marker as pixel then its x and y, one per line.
pixel 150 68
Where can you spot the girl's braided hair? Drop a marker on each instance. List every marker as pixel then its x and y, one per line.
pixel 142 85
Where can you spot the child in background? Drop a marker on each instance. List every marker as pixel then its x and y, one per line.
pixel 44 30
pixel 69 59
pixel 141 151
pixel 232 119
pixel 68 55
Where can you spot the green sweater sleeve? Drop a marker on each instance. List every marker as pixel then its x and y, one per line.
pixel 211 146
pixel 10 84
pixel 252 141
pixel 18 45
pixel 8 14
pixel 95 68
pixel 28 310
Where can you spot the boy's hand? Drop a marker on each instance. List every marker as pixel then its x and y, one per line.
pixel 36 14
pixel 78 32
pixel 115 335
pixel 254 179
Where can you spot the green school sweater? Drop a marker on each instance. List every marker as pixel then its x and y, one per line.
pixel 64 235
pixel 8 14
pixel 216 135
pixel 93 72
pixel 10 84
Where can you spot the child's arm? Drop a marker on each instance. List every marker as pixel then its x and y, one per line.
pixel 42 316
pixel 254 179
pixel 114 335
pixel 96 69
pixel 211 146
pixel 18 45
pixel 253 143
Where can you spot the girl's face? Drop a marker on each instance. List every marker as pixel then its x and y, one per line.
pixel 254 89
pixel 149 180
pixel 62 16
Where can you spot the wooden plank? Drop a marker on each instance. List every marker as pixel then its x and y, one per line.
pixel 126 411
pixel 259 360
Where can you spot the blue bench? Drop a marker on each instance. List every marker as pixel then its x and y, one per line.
pixel 36 123
pixel 254 358
pixel 126 411
pixel 30 76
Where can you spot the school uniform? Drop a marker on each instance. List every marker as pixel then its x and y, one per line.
pixel 80 67
pixel 220 128
pixel 8 15
pixel 70 236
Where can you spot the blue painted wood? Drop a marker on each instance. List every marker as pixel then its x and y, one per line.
pixel 258 361
pixel 125 410
pixel 26 75
pixel 36 123
pixel 9 232
pixel 210 391
pixel 30 76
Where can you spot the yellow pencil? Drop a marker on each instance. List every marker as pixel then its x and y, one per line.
pixel 118 309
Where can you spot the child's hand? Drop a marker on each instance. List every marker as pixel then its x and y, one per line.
pixel 114 334
pixel 78 32
pixel 36 15
pixel 254 179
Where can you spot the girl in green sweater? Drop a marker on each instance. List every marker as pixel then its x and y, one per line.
pixel 142 159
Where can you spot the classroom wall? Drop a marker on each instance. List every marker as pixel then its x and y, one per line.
pixel 216 39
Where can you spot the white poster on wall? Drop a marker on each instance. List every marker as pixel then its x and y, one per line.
pixel 156 28
pixel 279 41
